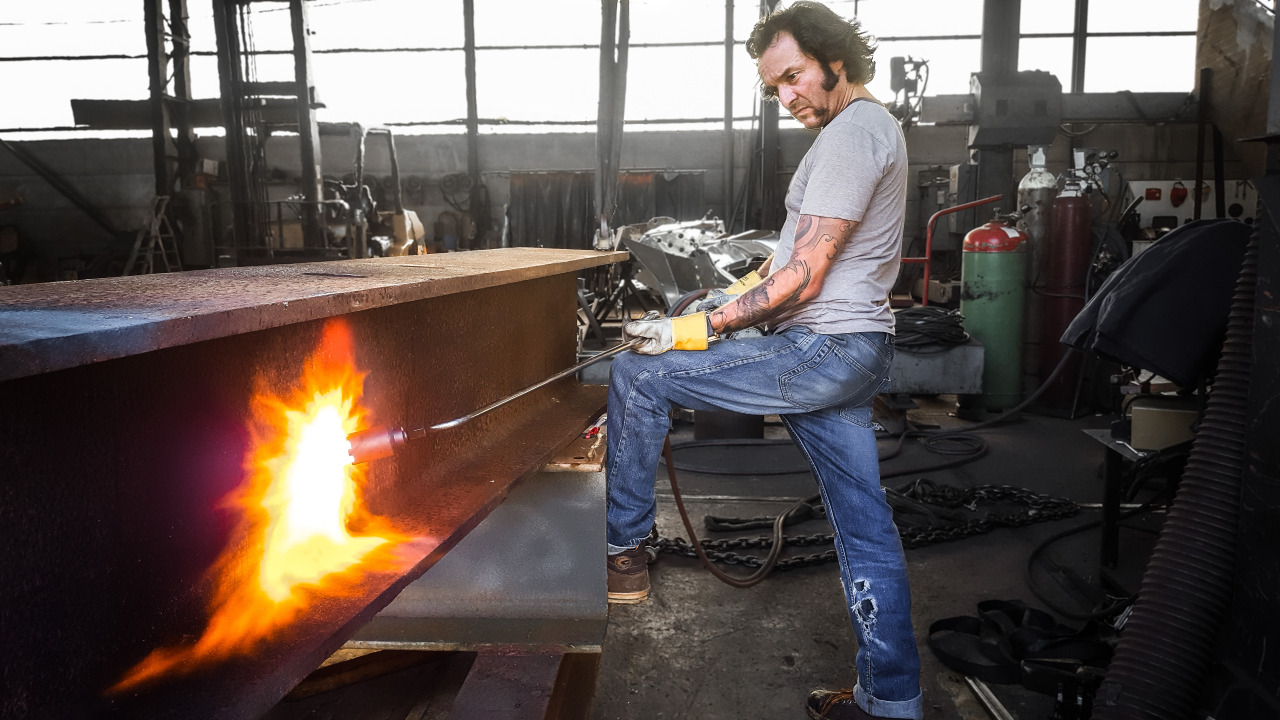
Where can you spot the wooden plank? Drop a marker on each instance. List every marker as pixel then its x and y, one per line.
pixel 423 692
pixel 508 687
pixel 366 666
pixel 584 453
pixel 575 687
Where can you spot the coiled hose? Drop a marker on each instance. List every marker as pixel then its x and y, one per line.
pixel 1186 590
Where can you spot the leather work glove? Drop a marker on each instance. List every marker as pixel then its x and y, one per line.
pixel 658 334
pixel 717 298
pixel 745 283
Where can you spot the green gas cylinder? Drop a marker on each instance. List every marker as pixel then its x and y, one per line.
pixel 992 291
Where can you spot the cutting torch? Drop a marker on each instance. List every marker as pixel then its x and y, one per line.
pixel 384 441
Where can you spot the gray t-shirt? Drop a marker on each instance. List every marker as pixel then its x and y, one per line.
pixel 855 170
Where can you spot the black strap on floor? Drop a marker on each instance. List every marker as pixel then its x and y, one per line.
pixel 1009 643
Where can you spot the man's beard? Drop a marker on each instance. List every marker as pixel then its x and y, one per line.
pixel 820 114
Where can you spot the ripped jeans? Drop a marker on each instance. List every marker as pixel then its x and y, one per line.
pixel 822 387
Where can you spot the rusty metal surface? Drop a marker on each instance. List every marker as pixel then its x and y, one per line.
pixel 114 470
pixel 54 326
pixel 528 576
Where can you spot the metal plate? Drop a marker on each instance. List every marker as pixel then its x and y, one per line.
pixel 531 575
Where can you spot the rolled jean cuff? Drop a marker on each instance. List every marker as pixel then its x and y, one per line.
pixel 907 709
pixel 615 549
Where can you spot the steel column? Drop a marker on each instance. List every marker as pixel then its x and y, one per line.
pixel 180 109
pixel 1000 30
pixel 313 231
pixel 158 72
pixel 1079 43
pixel 771 210
pixel 473 122
pixel 726 188
pixel 231 82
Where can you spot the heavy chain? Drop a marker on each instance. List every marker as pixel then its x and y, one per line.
pixel 1037 507
pixel 720 550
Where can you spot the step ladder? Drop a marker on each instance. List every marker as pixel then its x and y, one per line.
pixel 155 240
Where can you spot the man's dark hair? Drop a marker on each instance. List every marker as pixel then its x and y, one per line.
pixel 823 36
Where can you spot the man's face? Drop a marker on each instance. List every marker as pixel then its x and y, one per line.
pixel 797 80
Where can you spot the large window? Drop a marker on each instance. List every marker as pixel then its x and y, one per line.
pixel 1139 45
pixel 401 61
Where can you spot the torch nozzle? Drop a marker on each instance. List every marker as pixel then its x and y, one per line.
pixel 378 442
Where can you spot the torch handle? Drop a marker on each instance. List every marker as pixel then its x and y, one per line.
pixel 558 376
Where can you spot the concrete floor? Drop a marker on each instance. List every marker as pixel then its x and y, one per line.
pixel 702 649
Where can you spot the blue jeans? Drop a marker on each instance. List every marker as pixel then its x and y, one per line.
pixel 822 386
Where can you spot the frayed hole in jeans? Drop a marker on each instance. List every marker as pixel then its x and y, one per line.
pixel 864 607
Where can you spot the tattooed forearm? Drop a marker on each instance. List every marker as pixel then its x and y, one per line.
pixel 818 241
pixel 780 291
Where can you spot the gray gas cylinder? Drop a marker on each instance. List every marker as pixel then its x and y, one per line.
pixel 1036 192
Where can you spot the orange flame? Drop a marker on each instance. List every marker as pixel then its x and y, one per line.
pixel 297 506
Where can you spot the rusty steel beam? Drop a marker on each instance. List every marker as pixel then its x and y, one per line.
pixel 123 409
pixel 53 326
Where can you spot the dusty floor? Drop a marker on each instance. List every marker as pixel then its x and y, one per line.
pixel 702 649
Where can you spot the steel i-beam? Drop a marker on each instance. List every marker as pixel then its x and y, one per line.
pixel 123 406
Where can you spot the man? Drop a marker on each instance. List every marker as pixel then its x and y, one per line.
pixel 825 299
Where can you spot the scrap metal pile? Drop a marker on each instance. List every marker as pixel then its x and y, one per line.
pixel 676 258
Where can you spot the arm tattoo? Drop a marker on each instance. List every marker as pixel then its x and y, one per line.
pixel 803 226
pixel 807 242
pixel 818 242
pixel 766 299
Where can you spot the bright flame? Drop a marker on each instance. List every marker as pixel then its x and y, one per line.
pixel 310 499
pixel 297 506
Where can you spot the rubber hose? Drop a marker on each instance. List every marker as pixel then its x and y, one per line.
pixel 1185 593
pixel 685 301
pixel 739 582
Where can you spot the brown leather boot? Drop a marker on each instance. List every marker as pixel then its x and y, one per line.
pixel 628 574
pixel 835 705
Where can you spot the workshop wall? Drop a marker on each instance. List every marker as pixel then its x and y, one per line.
pixel 1234 42
pixel 115 174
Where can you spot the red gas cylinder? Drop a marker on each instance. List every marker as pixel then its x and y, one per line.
pixel 1070 242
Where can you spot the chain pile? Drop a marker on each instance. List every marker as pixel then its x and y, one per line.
pixel 1036 507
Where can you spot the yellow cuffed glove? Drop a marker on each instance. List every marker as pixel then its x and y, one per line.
pixel 745 283
pixel 686 332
